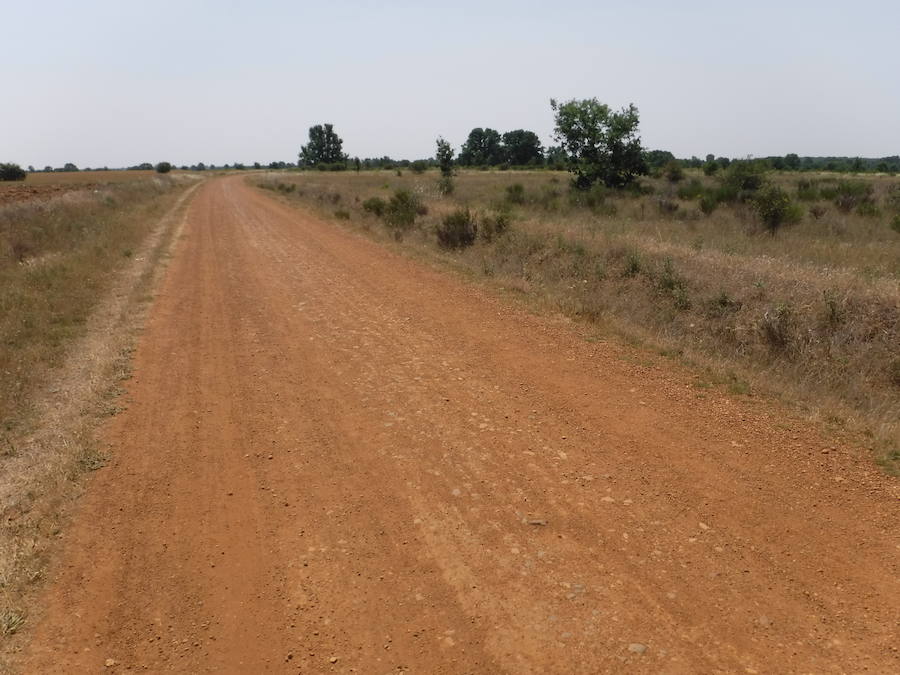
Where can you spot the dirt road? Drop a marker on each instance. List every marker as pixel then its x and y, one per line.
pixel 335 459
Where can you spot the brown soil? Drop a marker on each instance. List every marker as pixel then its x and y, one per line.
pixel 337 459
pixel 12 193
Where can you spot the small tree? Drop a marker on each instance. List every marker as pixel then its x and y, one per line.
pixel 324 147
pixel 163 167
pixel 775 208
pixel 10 172
pixel 444 157
pixel 601 145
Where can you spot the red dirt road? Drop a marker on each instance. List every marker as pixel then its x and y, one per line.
pixel 335 459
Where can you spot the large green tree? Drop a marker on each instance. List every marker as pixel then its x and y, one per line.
pixel 521 147
pixel 324 147
pixel 482 148
pixel 601 144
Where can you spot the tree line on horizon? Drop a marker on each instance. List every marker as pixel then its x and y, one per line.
pixel 594 142
pixel 487 148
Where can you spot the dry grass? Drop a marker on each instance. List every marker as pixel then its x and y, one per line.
pixel 81 178
pixel 74 271
pixel 56 258
pixel 811 314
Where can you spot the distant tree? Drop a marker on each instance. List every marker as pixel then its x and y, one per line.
pixel 710 158
pixel 30 169
pixel 200 167
pixel 792 161
pixel 710 167
pixel 10 172
pixel 482 148
pixel 48 169
pixel 600 144
pixel 557 157
pixel 324 147
pixel 357 164
pixel 657 159
pixel 723 162
pixel 163 167
pixel 444 157
pixel 68 166
pixel 521 147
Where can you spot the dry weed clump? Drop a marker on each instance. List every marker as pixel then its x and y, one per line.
pixel 796 285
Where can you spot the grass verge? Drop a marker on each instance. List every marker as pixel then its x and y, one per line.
pixel 72 304
pixel 810 313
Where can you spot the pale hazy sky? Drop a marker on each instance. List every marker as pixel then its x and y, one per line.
pixel 114 82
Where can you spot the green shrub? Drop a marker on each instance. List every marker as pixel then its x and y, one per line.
pixel 638 189
pixel 163 167
pixel 691 190
pixel 671 283
pixel 515 193
pixel 708 203
pixel 494 225
pixel 850 194
pixel 457 230
pixel 673 171
pixel 331 166
pixel 710 168
pixel 633 265
pixel 418 166
pixel 775 208
pixel 401 211
pixel 742 180
pixel 446 186
pixel 11 172
pixel 341 214
pixel 375 205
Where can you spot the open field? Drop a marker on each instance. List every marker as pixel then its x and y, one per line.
pixel 811 314
pixel 42 186
pixel 75 271
pixel 333 458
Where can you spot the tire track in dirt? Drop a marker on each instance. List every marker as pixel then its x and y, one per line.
pixel 337 459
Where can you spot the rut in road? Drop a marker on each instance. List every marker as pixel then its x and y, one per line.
pixel 334 458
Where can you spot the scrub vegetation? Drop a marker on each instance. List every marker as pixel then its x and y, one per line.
pixel 774 281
